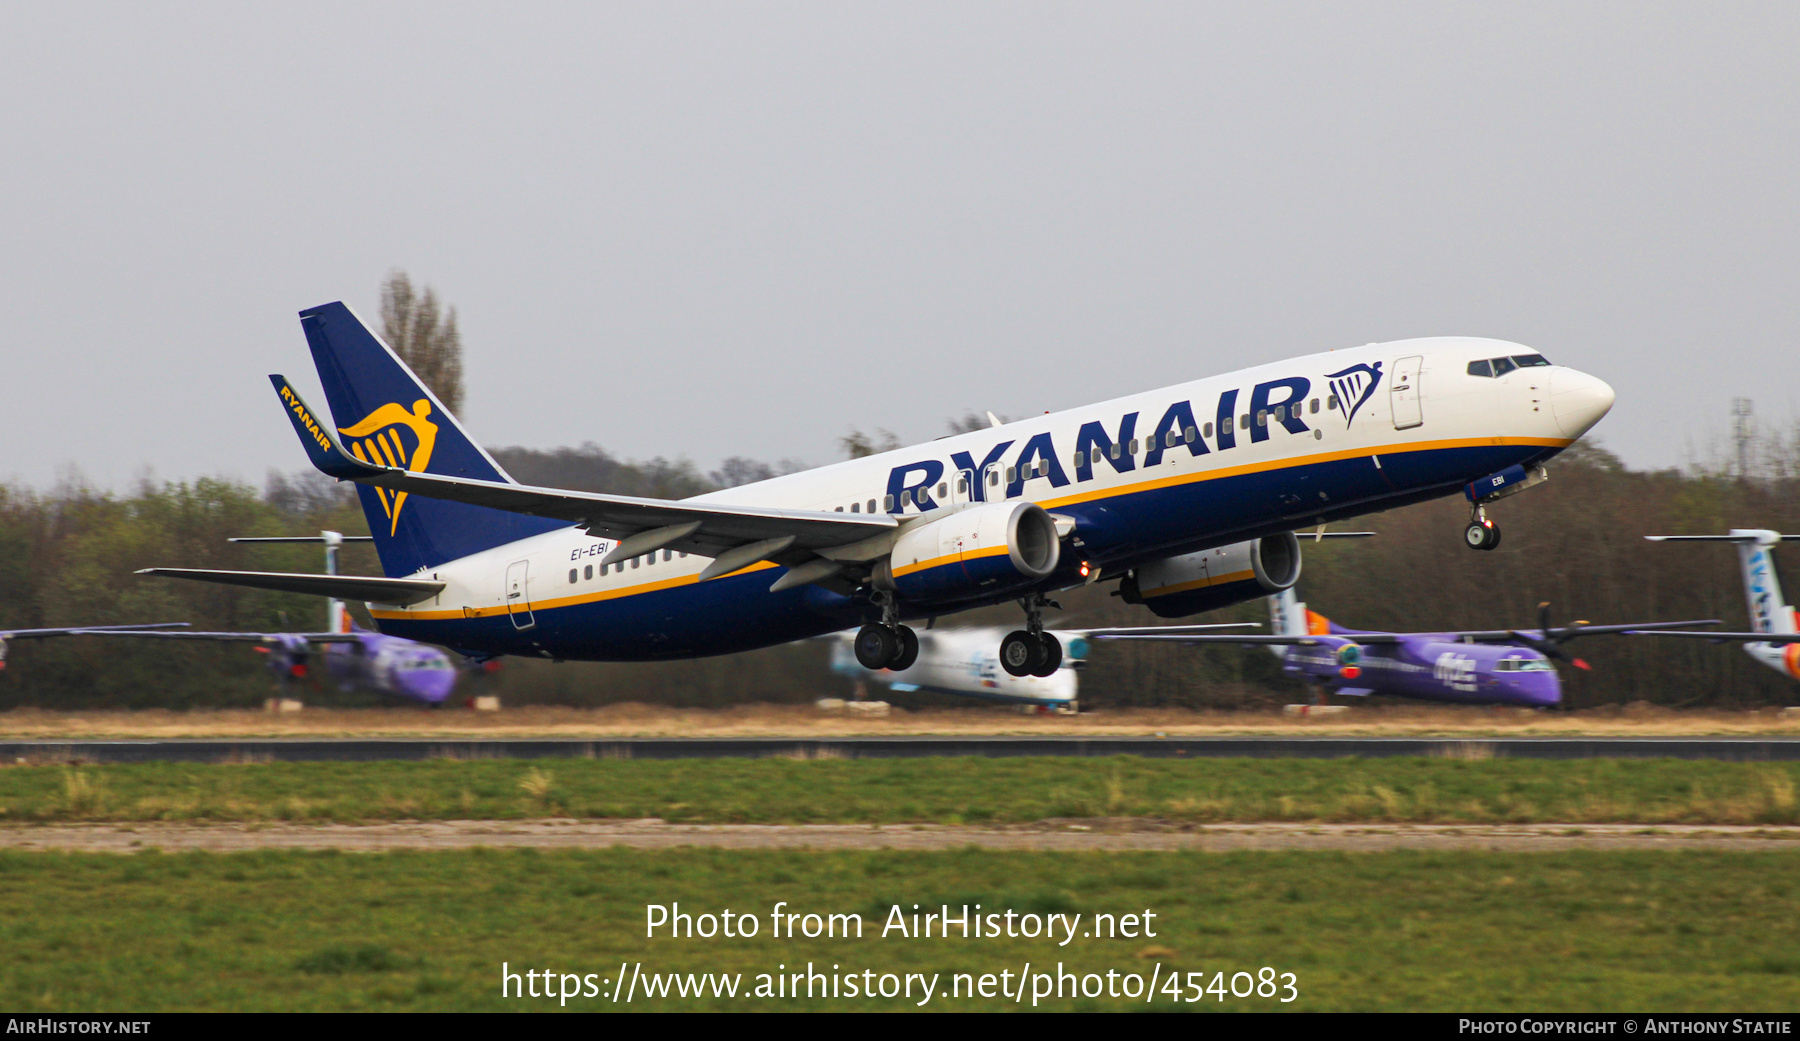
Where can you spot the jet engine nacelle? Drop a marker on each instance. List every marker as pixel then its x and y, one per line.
pixel 993 548
pixel 1213 578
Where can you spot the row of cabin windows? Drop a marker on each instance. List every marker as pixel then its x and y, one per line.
pixel 1170 439
pixel 1502 366
pixel 586 574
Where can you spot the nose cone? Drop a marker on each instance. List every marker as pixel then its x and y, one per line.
pixel 1578 400
pixel 429 685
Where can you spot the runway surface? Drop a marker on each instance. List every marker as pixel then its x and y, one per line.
pixel 1047 835
pixel 1753 749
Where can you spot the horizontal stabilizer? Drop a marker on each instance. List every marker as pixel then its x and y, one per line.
pixel 399 591
pixel 1777 638
pixel 313 539
pixel 1752 536
pixel 1170 630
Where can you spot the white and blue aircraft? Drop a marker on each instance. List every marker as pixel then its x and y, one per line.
pixel 1775 638
pixel 1143 488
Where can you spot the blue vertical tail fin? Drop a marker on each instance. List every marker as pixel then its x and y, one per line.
pixel 384 414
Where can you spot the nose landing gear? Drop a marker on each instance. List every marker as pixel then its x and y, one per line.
pixel 1032 651
pixel 1481 533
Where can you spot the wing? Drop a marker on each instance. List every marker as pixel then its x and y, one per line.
pixel 343 587
pixel 225 637
pixel 1255 639
pixel 38 634
pixel 786 536
pixel 1560 633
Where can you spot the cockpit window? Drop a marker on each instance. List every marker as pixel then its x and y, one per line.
pixel 1536 665
pixel 1502 366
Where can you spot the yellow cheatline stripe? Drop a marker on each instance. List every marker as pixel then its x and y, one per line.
pixel 567 601
pixel 1307 460
pixel 950 558
pixel 1199 583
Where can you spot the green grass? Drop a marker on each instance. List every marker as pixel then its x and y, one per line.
pixel 969 791
pixel 1442 931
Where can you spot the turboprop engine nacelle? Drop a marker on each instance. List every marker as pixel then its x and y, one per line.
pixel 1195 582
pixel 978 551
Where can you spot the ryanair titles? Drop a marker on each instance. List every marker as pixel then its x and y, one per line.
pixel 305 418
pixel 1280 402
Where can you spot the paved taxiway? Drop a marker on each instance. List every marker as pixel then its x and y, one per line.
pixel 1746 749
pixel 1090 834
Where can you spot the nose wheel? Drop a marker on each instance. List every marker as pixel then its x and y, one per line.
pixel 1481 533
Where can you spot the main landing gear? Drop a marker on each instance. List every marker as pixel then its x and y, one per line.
pixel 1031 651
pixel 888 644
pixel 1481 533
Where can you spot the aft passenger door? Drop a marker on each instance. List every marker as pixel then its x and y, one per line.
pixel 518 594
pixel 1403 393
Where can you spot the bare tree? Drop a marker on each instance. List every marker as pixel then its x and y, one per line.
pixel 424 335
pixel 857 444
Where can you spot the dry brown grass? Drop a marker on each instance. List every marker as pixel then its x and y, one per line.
pixel 763 720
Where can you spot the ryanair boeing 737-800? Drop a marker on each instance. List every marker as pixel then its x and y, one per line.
pixel 1189 496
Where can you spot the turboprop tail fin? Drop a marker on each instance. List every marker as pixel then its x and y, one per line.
pixel 1769 611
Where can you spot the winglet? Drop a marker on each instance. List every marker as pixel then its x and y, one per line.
pixel 322 446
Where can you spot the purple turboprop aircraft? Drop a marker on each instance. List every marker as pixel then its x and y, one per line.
pixel 355 657
pixel 1482 666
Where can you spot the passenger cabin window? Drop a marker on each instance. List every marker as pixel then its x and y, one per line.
pixel 1315 406
pixel 993 477
pixel 872 506
pixel 1331 402
pixel 588 572
pixel 1012 474
pixel 1484 367
pixel 1244 421
pixel 943 490
pixel 887 503
pixel 571 576
pixel 1133 447
pixel 634 562
pixel 962 485
pixel 856 507
pixel 668 554
pixel 1208 429
pixel 1191 434
pixel 840 509
pixel 1113 451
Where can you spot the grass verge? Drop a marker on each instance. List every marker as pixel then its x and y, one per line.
pixel 955 791
pixel 1467 931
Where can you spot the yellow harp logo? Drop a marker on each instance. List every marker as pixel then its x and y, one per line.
pixel 392 436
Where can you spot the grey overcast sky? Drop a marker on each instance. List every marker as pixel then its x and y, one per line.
pixel 742 229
